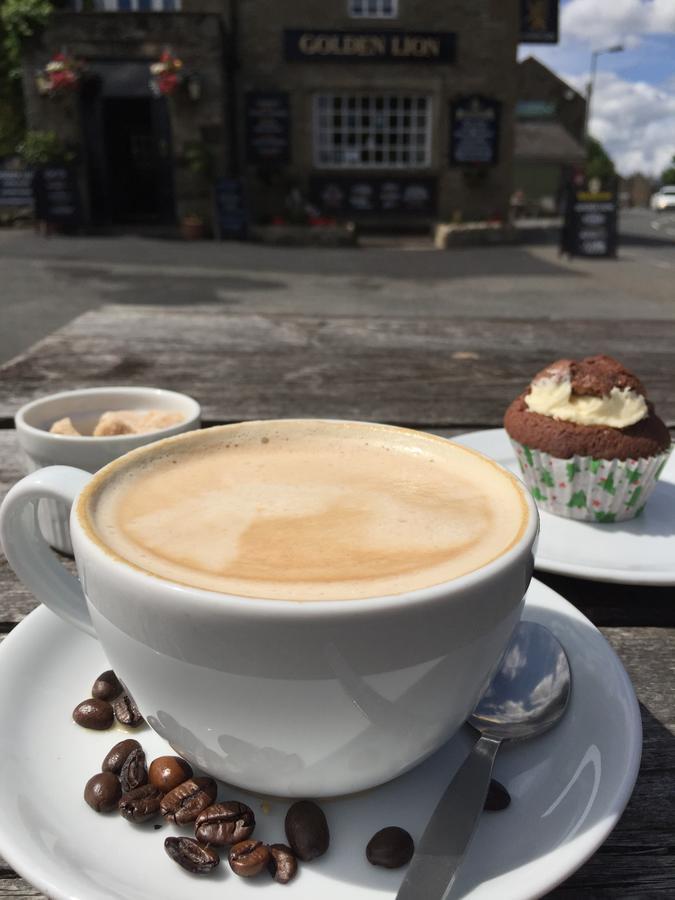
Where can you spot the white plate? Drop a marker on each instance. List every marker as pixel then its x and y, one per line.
pixel 639 551
pixel 569 786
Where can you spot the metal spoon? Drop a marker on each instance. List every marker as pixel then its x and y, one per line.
pixel 527 696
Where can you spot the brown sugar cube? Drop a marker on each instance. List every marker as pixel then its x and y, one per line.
pixel 64 426
pixel 155 419
pixel 112 423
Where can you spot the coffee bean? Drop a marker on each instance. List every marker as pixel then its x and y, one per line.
pixel 102 792
pixel 498 797
pixel 117 755
pixel 96 714
pixel 225 823
pixel 283 865
pixel 184 803
pixel 167 772
pixel 307 830
pixel 134 774
pixel 126 711
pixel 249 858
pixel 106 686
pixel 190 855
pixel 140 804
pixel 390 847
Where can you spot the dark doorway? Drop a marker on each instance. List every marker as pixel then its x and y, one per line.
pixel 134 151
pixel 128 148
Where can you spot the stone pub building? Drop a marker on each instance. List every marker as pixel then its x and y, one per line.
pixel 387 111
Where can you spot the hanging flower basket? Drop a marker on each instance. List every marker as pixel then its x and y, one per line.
pixel 62 75
pixel 166 75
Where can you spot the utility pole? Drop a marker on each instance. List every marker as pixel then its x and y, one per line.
pixel 616 48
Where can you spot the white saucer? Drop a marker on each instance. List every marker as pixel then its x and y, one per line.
pixel 639 551
pixel 569 786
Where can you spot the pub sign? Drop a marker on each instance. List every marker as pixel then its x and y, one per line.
pixel 345 195
pixel 267 127
pixel 474 131
pixel 539 21
pixel 369 45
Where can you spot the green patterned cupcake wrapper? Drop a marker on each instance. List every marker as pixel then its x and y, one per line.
pixel 592 490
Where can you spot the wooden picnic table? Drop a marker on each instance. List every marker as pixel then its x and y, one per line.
pixel 442 374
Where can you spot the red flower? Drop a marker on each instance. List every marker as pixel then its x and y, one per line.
pixel 562 484
pixel 596 503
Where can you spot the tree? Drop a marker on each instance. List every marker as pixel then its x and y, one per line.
pixel 19 19
pixel 598 162
pixel 668 175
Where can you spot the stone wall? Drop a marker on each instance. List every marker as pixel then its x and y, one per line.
pixel 487 32
pixel 197 38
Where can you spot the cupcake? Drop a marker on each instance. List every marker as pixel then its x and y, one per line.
pixel 588 441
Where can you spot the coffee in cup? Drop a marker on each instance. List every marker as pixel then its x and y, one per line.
pixel 306 510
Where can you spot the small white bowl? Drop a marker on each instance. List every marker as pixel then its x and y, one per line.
pixel 39 447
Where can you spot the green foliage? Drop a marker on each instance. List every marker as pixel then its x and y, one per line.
pixel 198 159
pixel 11 115
pixel 19 20
pixel 40 148
pixel 668 174
pixel 598 163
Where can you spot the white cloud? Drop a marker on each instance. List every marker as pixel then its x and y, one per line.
pixel 609 22
pixel 634 121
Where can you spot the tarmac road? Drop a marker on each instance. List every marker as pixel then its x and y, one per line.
pixel 44 283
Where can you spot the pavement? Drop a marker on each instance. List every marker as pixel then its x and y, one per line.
pixel 46 282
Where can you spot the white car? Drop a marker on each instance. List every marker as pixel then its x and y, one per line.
pixel 663 199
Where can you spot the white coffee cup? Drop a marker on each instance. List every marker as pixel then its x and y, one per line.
pixel 39 447
pixel 294 699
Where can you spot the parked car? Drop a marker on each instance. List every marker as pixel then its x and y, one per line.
pixel 663 199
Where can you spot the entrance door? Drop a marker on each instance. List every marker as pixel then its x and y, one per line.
pixel 138 160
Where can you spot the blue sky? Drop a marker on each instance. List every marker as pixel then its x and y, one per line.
pixel 633 110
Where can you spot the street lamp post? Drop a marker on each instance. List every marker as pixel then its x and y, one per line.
pixel 616 48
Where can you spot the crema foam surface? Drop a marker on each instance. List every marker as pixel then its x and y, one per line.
pixel 307 511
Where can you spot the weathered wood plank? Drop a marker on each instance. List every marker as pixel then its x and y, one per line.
pixel 638 858
pixel 13 887
pixel 440 371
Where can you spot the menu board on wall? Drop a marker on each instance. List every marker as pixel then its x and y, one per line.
pixel 590 225
pixel 474 131
pixel 539 21
pixel 57 196
pixel 354 195
pixel 268 129
pixel 16 187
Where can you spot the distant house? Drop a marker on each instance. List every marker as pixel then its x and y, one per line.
pixel 549 130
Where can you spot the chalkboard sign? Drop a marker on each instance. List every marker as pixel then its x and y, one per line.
pixel 474 131
pixel 590 223
pixel 539 21
pixel 57 196
pixel 16 187
pixel 381 195
pixel 267 127
pixel 231 212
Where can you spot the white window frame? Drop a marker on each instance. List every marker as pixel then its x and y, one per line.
pixel 114 6
pixel 326 152
pixel 372 9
